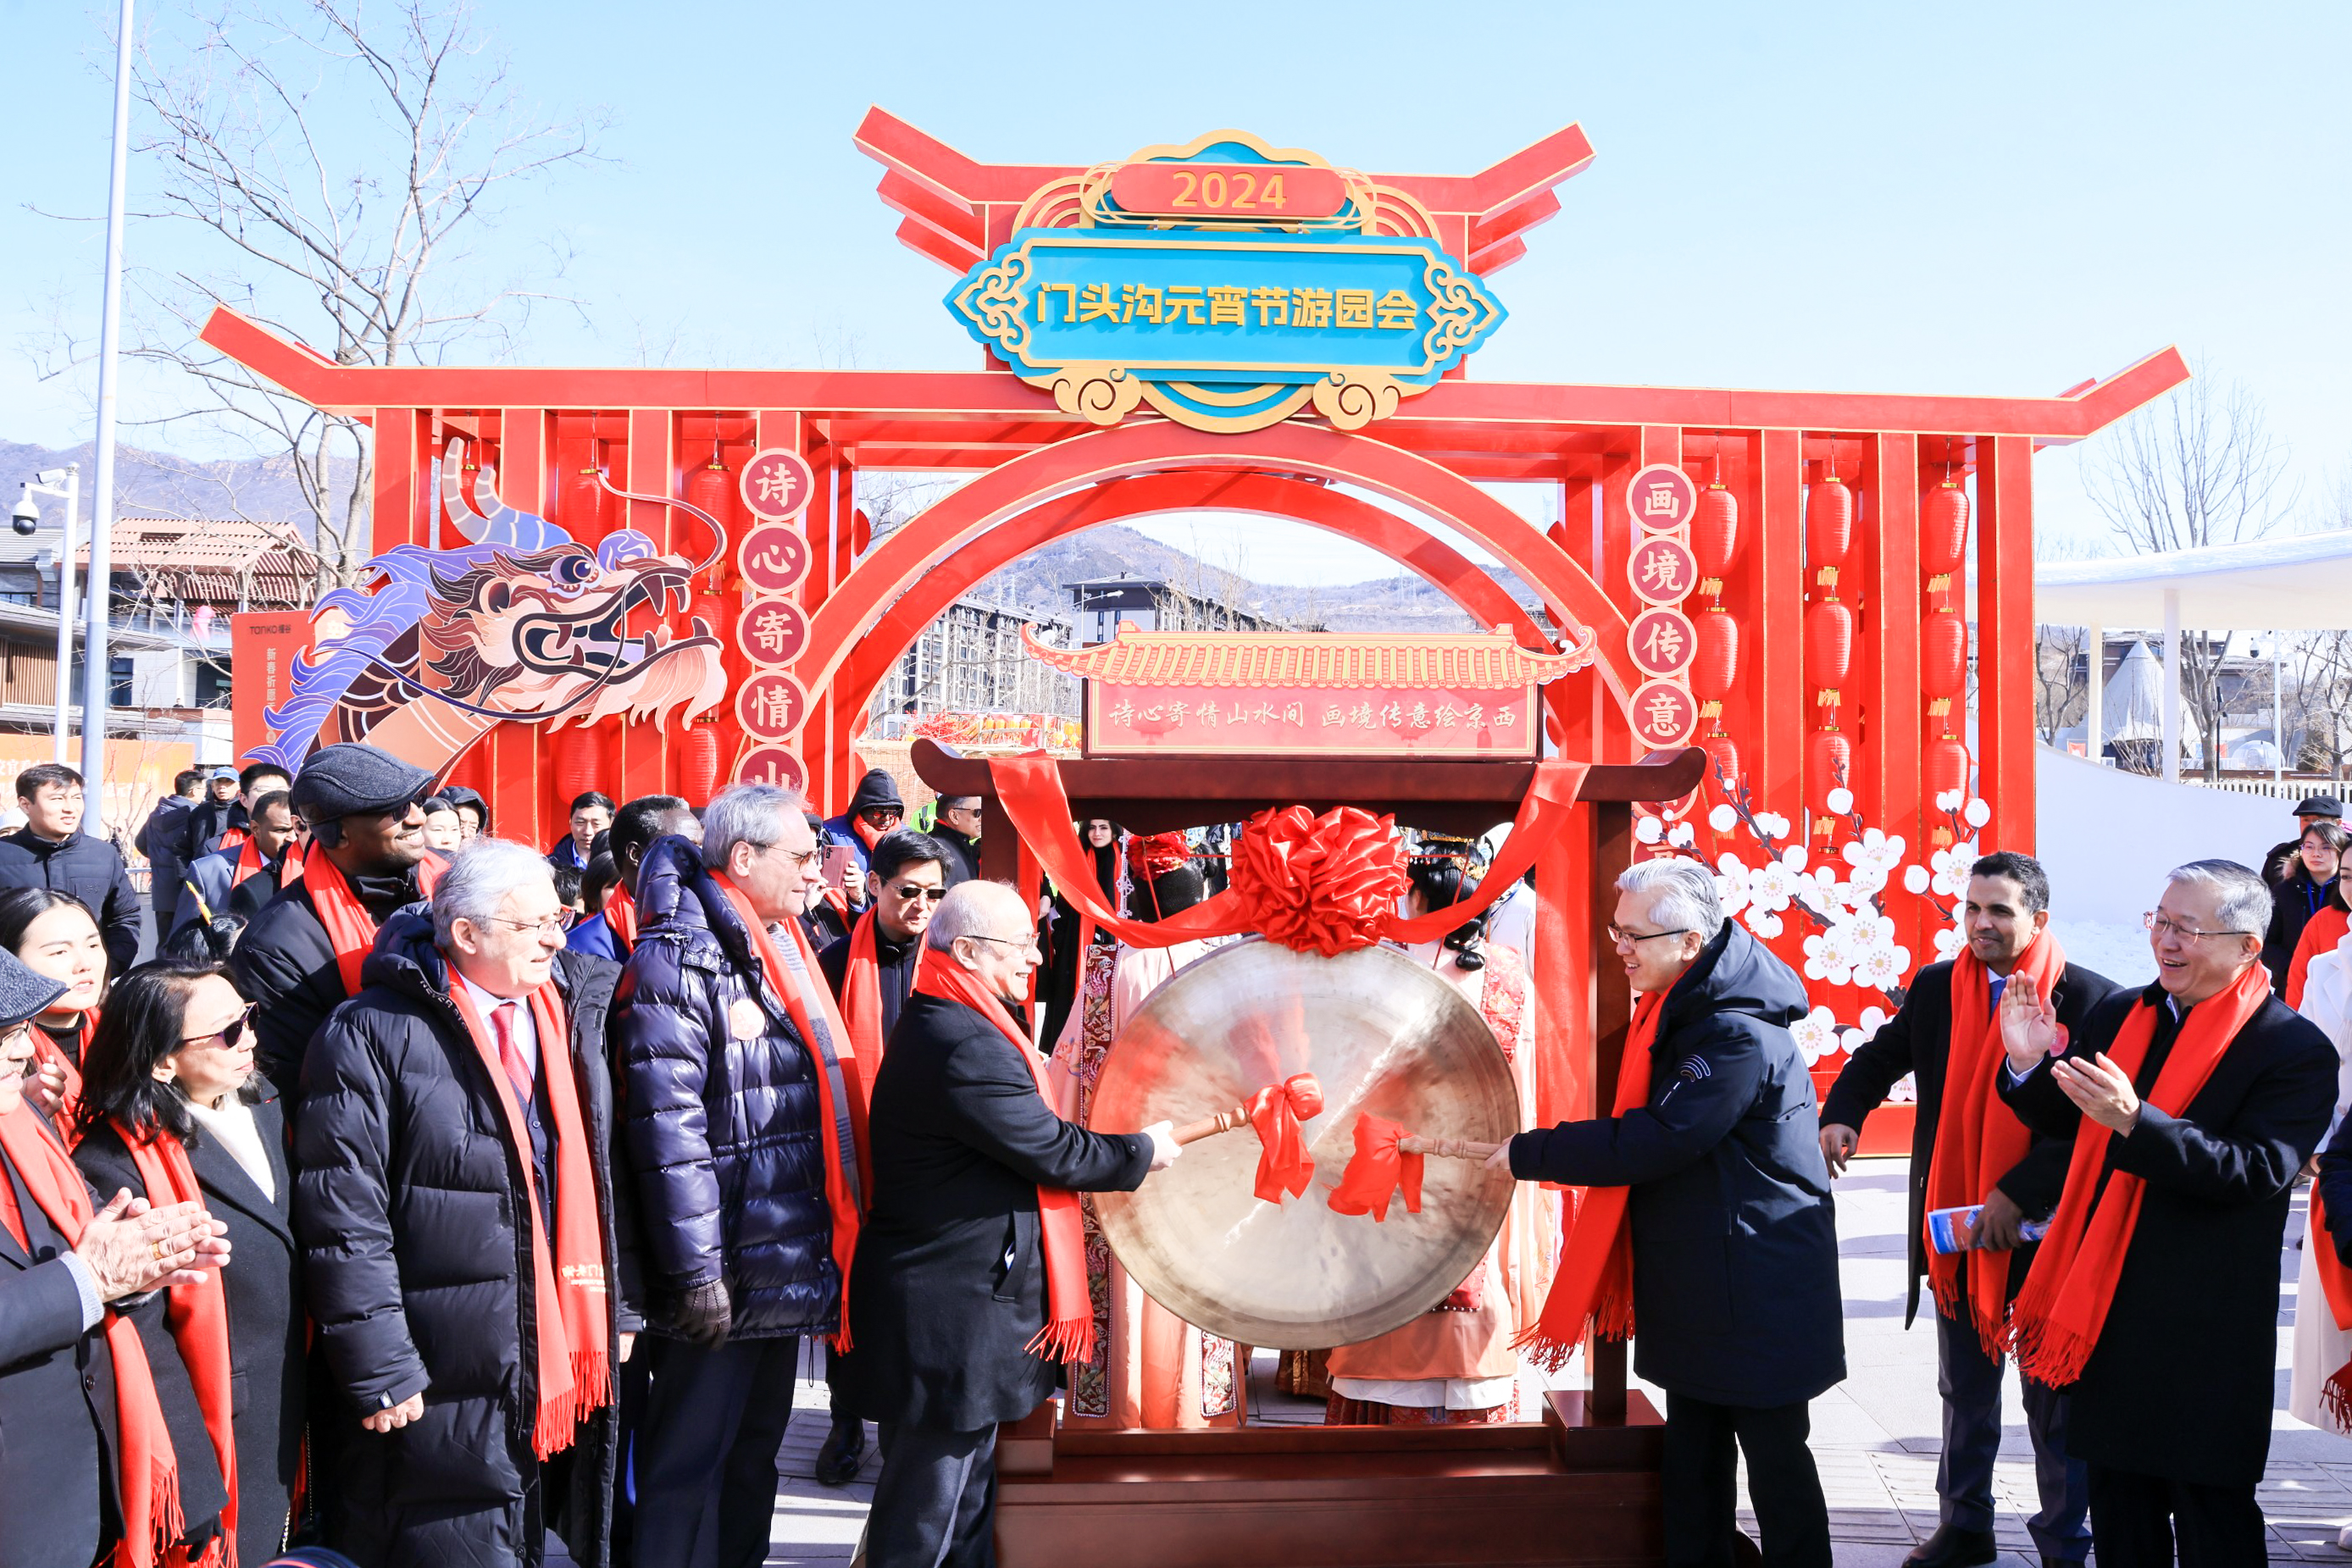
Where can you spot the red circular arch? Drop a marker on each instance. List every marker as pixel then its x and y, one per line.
pixel 936 534
pixel 1189 490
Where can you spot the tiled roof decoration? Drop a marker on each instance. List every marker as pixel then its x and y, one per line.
pixel 1470 661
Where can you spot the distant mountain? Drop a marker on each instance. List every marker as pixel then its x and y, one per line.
pixel 161 485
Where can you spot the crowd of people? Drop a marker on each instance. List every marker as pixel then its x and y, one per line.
pixel 436 1197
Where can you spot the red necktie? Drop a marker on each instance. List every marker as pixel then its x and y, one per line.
pixel 510 1054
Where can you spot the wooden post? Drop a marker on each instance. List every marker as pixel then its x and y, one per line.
pixel 2005 640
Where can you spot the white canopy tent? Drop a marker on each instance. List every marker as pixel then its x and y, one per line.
pixel 2299 583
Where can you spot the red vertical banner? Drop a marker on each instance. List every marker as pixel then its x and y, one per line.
pixel 262 648
pixel 2005 640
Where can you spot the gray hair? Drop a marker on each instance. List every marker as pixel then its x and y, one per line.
pixel 2243 900
pixel 750 814
pixel 480 877
pixel 1685 894
pixel 969 909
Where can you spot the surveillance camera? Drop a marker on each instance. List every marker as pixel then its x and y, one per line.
pixel 25 516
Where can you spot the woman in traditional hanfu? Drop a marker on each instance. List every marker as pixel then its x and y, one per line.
pixel 1150 1368
pixel 1454 1364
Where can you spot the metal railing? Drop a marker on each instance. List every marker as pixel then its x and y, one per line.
pixel 2289 788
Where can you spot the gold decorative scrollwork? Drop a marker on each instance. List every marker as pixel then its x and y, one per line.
pixel 1459 310
pixel 1351 400
pixel 1580 642
pixel 997 305
pixel 1065 203
pixel 1105 394
pixel 1389 211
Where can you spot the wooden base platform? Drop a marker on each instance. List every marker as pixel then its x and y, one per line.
pixel 1565 1490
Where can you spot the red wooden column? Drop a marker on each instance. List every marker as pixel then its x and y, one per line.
pixel 1772 644
pixel 637 755
pixel 517 760
pixel 1886 716
pixel 1611 848
pixel 403 460
pixel 1577 700
pixel 2005 640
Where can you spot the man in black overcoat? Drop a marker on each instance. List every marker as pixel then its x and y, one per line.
pixel 949 1283
pixel 2172 1412
pixel 2006 908
pixel 1736 1313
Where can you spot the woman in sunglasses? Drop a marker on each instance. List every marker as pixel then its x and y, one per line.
pixel 173 1108
pixel 57 938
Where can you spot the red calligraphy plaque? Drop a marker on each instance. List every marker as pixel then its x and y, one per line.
pixel 1661 570
pixel 770 706
pixel 1260 191
pixel 771 632
pixel 771 765
pixel 774 557
pixel 1661 497
pixel 1124 719
pixel 777 484
pixel 1661 713
pixel 1661 642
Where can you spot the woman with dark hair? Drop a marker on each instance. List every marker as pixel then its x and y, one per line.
pixel 1065 932
pixel 444 829
pixel 55 935
pixel 172 1109
pixel 2302 894
pixel 203 941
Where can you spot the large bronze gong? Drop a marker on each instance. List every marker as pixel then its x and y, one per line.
pixel 1382 1034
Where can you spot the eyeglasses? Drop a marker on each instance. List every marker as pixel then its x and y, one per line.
pixel 1019 944
pixel 1625 938
pixel 881 819
pixel 16 1037
pixel 802 859
pixel 553 926
pixel 228 1035
pixel 2165 925
pixel 927 895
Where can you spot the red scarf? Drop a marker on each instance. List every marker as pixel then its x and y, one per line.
pixel 838 1197
pixel 2335 1283
pixel 568 1284
pixel 148 1471
pixel 250 864
pixel 1069 1333
pixel 1595 1279
pixel 198 1314
pixel 350 929
pixel 2322 932
pixel 621 917
pixel 1978 1139
pixel 1275 1112
pixel 2072 1284
pixel 234 839
pixel 45 1049
pixel 861 991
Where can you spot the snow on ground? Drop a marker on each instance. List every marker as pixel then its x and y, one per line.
pixel 2107 947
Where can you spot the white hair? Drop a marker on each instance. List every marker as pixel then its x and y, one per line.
pixel 973 909
pixel 480 877
pixel 2243 900
pixel 750 814
pixel 1686 896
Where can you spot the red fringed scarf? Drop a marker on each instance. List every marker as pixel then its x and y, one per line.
pixel 198 1314
pixel 250 864
pixel 1595 1279
pixel 1274 1112
pixel 1069 1333
pixel 235 838
pixel 350 929
pixel 2336 1283
pixel 838 1197
pixel 2056 1322
pixel 1979 1139
pixel 148 1471
pixel 45 1049
pixel 861 991
pixel 575 1362
pixel 1376 1170
pixel 621 917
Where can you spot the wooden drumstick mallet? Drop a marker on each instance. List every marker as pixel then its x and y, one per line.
pixel 1305 1099
pixel 1444 1148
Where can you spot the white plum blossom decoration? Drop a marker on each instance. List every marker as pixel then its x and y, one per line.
pixel 1649 830
pixel 1816 1034
pixel 1976 813
pixel 1723 819
pixel 1915 879
pixel 1682 835
pixel 1840 801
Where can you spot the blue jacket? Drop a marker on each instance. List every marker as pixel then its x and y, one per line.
pixel 722 1108
pixel 1735 1242
pixel 594 937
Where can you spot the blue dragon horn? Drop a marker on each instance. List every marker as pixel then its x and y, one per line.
pixel 504 525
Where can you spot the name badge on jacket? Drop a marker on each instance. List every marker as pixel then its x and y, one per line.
pixel 744 1019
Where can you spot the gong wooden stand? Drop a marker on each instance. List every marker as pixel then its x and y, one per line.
pixel 1579 1486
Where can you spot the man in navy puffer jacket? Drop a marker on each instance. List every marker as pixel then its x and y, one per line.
pixel 725 1108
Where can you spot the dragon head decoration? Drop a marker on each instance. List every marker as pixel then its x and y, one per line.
pixel 521 624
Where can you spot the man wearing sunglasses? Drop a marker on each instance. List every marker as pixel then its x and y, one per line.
pixel 871 972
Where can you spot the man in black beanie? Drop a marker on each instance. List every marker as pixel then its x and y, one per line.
pixel 300 957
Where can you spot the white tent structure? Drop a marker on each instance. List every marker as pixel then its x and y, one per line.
pixel 2303 583
pixel 2133 701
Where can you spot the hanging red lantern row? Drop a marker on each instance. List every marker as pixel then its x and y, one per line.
pixel 579 761
pixel 584 503
pixel 1943 642
pixel 1714 667
pixel 1828 638
pixel 697 767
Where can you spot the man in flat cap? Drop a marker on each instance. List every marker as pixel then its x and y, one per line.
pixel 300 958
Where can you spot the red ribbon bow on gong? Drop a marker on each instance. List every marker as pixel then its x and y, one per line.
pixel 1275 1110
pixel 1376 1170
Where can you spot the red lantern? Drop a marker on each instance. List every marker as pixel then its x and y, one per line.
pixel 1829 524
pixel 1943 652
pixel 697 766
pixel 1829 760
pixel 1722 762
pixel 1828 642
pixel 1714 531
pixel 1945 767
pixel 1943 530
pixel 579 762
pixel 584 506
pixel 711 488
pixel 715 612
pixel 1717 658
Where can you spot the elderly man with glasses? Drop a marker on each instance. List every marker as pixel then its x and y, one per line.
pixel 744 1095
pixel 2192 1105
pixel 1724 1209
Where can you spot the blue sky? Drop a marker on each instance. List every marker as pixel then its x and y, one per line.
pixel 1998 199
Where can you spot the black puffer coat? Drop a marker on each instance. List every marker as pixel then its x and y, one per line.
pixel 723 1108
pixel 92 870
pixel 1735 1243
pixel 419 1277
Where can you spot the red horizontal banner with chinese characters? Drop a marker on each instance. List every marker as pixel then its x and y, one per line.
pixel 1125 720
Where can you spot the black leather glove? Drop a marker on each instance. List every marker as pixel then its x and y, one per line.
pixel 705 1314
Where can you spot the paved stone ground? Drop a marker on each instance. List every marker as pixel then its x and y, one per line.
pixel 1875 1435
